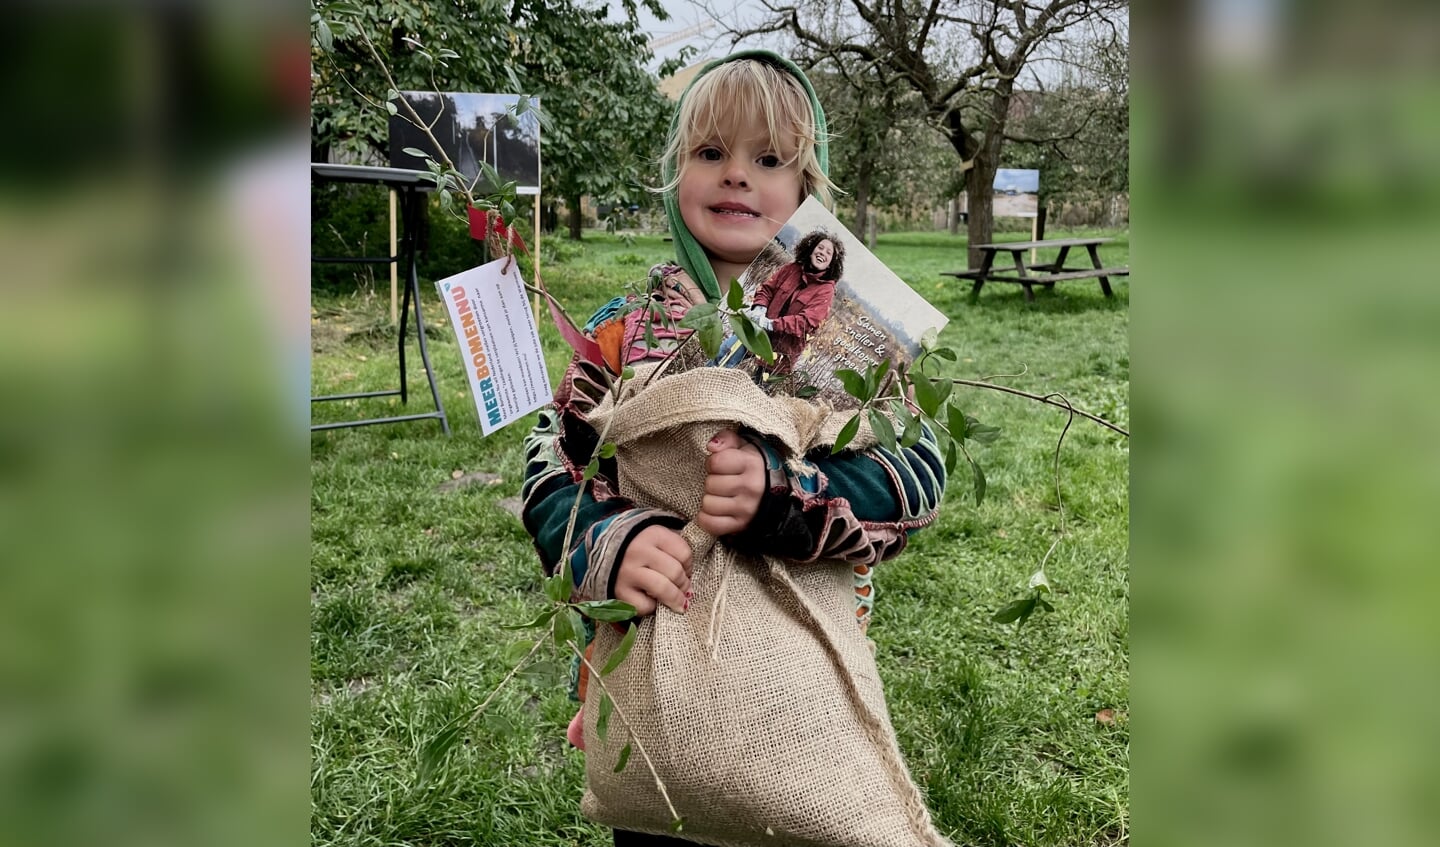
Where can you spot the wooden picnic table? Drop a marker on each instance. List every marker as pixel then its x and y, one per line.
pixel 1046 274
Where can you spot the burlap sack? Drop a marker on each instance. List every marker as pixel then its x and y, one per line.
pixel 761 707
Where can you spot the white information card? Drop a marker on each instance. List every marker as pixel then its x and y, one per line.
pixel 498 342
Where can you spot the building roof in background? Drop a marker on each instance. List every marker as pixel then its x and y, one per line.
pixel 674 85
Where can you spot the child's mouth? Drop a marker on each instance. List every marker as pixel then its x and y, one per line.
pixel 735 210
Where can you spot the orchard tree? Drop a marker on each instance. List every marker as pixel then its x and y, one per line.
pixel 604 118
pixel 1078 132
pixel 963 59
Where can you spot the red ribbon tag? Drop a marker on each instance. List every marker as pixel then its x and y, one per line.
pixel 484 222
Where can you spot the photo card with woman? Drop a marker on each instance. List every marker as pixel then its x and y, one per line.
pixel 827 304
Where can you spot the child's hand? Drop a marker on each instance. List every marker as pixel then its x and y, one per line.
pixel 655 571
pixel 734 486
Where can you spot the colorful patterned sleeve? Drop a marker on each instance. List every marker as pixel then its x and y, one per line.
pixel 857 507
pixel 556 453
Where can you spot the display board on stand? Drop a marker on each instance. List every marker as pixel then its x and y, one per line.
pixel 473 128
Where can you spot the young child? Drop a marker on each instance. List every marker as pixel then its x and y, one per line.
pixel 796 299
pixel 746 146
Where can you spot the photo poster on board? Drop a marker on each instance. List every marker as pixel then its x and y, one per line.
pixel 1017 193
pixel 473 128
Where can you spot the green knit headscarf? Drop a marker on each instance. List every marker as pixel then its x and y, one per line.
pixel 688 252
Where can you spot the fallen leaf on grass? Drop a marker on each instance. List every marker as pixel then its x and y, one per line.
pixel 1105 716
pixel 456 474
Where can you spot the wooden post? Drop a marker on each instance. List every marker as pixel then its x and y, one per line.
pixel 1034 236
pixel 535 259
pixel 394 266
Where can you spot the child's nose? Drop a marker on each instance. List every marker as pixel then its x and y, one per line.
pixel 737 176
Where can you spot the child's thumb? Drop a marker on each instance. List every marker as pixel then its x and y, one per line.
pixel 725 439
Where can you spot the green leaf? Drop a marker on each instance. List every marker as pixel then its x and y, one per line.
pixel 578 626
pixel 847 434
pixel 547 672
pixel 557 588
pixel 698 315
pixel 951 458
pixel 1045 604
pixel 519 651
pixel 1017 610
pixel 390 107
pixel 437 749
pixel 624 758
pixel 621 651
pixel 498 726
pixel 754 340
pixel 538 622
pixel 711 337
pixel 652 342
pixel 602 721
pixel 627 373
pixel 959 429
pixel 914 429
pixel 677 825
pixel 606 610
pixel 853 382
pixel 928 338
pixel 324 36
pixel 807 391
pixel 1039 581
pixel 564 631
pixel 945 353
pixel 926 396
pixel 979 482
pixel 607 450
pixel 982 433
pixel 590 470
pixel 883 429
pixel 735 297
pixel 873 375
pixel 762 347
pixel 942 390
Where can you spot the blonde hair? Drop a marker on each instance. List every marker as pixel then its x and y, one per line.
pixel 719 103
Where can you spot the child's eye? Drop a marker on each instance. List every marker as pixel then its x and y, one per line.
pixel 709 154
pixel 769 160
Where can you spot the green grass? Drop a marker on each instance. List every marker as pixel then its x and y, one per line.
pixel 409 585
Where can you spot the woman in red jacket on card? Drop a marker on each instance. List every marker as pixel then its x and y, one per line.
pixel 795 300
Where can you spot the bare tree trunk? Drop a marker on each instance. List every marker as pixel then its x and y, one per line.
pixel 576 216
pixel 862 198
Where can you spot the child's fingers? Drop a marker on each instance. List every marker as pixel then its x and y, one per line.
pixel 673 571
pixel 725 439
pixel 658 586
pixel 731 462
pixel 674 545
pixel 719 525
pixel 629 593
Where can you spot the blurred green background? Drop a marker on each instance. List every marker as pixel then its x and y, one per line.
pixel 153 677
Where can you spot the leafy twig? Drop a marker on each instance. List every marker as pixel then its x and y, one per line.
pixel 595 678
pixel 973 383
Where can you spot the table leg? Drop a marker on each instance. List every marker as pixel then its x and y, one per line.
pixel 1022 272
pixel 1095 258
pixel 1058 265
pixel 985 264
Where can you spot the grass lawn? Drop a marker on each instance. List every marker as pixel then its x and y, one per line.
pixel 1017 737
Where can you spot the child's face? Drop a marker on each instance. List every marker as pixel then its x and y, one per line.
pixel 735 194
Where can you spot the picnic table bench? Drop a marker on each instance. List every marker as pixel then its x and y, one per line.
pixel 1047 273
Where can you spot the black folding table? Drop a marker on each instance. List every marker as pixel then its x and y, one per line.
pixel 410 186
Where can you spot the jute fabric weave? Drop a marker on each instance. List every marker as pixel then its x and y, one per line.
pixel 761 707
